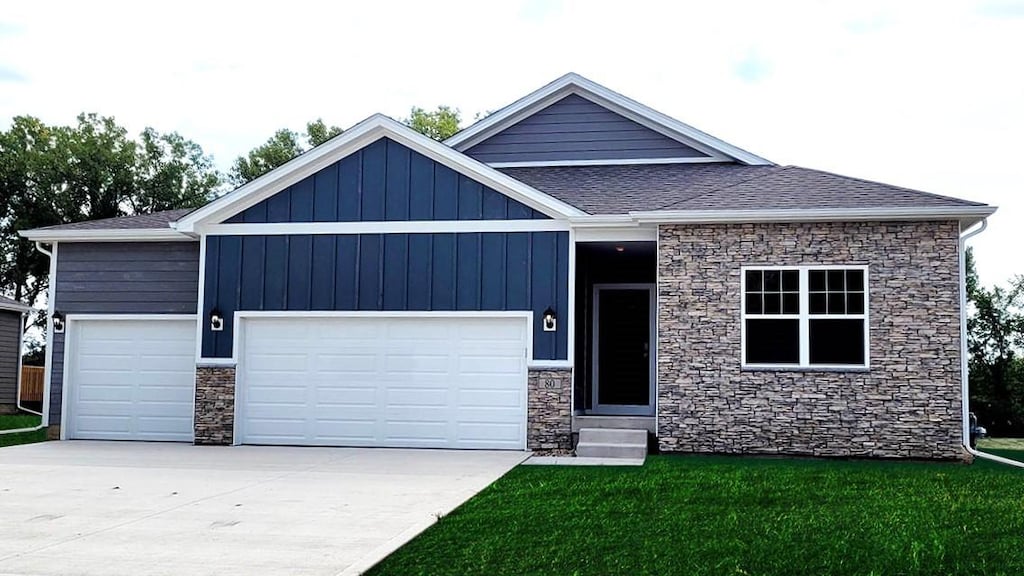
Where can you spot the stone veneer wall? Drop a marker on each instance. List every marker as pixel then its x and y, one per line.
pixel 549 409
pixel 215 405
pixel 906 405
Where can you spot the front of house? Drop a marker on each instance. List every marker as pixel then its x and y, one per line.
pixel 574 256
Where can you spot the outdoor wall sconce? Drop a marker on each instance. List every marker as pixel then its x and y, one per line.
pixel 216 321
pixel 549 320
pixel 58 322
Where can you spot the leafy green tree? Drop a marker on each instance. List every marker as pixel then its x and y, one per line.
pixel 995 341
pixel 284 145
pixel 439 124
pixel 58 174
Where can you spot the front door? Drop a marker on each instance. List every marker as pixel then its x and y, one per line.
pixel 623 349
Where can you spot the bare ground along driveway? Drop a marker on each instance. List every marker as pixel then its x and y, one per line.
pixel 111 508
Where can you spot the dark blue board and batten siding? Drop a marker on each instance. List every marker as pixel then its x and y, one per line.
pixel 120 278
pixel 386 181
pixel 500 271
pixel 574 129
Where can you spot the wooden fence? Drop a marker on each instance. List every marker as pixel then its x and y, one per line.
pixel 32 383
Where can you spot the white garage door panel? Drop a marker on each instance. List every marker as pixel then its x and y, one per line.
pixel 401 382
pixel 131 379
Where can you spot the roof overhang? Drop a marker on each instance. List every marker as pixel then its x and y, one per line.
pixel 11 306
pixel 352 140
pixel 575 84
pixel 117 235
pixel 966 215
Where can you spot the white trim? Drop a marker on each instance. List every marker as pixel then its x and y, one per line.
pixel 570 324
pixel 389 227
pixel 623 409
pixel 612 162
pixel 811 215
pixel 114 317
pixel 575 84
pixel 366 132
pixel 241 315
pixel 201 297
pixel 71 320
pixel 617 234
pixel 803 318
pixel 51 298
pixel 125 235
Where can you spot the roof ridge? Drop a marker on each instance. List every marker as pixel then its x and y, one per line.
pixel 768 170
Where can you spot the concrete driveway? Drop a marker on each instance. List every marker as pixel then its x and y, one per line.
pixel 111 508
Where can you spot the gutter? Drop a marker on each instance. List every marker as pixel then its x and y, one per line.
pixel 965 398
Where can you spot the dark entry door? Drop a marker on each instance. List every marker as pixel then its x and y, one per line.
pixel 623 349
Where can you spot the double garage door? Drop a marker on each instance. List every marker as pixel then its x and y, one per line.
pixel 432 382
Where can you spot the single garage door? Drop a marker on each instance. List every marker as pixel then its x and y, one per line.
pixel 425 382
pixel 131 379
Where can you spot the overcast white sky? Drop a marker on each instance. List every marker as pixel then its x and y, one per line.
pixel 928 95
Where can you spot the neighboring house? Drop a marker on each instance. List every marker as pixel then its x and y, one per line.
pixel 12 322
pixel 575 255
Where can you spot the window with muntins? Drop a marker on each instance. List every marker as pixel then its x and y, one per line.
pixel 805 316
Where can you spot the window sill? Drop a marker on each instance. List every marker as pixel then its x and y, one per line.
pixel 785 368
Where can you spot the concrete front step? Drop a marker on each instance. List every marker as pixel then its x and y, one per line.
pixel 613 436
pixel 582 421
pixel 612 443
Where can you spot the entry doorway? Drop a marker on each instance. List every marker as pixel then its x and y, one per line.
pixel 624 339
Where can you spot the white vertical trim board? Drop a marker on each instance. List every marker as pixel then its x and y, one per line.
pixel 200 304
pixel 48 375
pixel 570 335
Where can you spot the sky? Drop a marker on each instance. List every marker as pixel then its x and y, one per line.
pixel 928 95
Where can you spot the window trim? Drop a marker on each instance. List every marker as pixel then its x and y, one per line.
pixel 804 318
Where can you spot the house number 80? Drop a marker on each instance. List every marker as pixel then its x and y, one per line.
pixel 550 384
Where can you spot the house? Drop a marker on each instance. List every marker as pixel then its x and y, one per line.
pixel 575 259
pixel 12 322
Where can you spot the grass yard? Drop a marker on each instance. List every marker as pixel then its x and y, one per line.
pixel 695 515
pixel 20 421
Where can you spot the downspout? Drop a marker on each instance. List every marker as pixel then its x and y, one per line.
pixel 965 398
pixel 45 422
pixel 21 358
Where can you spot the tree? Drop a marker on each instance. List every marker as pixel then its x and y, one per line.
pixel 995 341
pixel 284 145
pixel 440 124
pixel 93 169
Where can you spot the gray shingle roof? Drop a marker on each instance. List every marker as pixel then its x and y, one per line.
pixel 648 187
pixel 622 189
pixel 155 220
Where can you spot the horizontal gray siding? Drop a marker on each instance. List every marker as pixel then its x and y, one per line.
pixel 121 278
pixel 10 336
pixel 575 128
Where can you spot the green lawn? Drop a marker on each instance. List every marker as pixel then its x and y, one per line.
pixel 696 515
pixel 20 421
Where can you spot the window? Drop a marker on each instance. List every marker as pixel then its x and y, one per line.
pixel 805 316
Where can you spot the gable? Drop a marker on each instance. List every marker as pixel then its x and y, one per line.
pixel 576 129
pixel 385 181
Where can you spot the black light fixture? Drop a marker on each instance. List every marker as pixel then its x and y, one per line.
pixel 58 322
pixel 549 320
pixel 216 320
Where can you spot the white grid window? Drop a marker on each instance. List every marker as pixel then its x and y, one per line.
pixel 804 316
